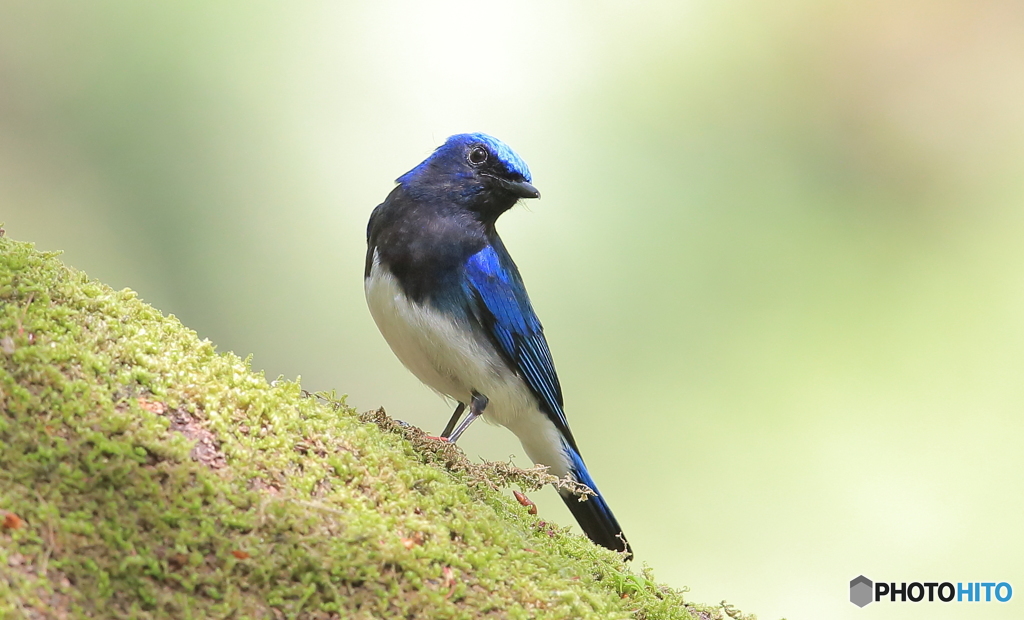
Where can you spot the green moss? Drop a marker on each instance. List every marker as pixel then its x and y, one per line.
pixel 157 478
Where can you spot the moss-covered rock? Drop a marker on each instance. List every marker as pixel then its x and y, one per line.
pixel 145 475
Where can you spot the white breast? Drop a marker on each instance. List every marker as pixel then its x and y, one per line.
pixel 454 362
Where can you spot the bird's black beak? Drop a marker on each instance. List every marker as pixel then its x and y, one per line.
pixel 520 188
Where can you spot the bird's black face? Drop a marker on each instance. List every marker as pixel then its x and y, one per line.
pixel 496 174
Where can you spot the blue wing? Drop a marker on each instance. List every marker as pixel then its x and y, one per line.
pixel 501 306
pixel 503 309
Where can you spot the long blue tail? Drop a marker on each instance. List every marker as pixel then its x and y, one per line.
pixel 594 515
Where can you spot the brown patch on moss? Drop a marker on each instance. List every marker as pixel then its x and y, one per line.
pixel 10 521
pixel 52 603
pixel 205 450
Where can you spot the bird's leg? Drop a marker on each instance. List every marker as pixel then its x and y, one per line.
pixel 455 419
pixel 476 409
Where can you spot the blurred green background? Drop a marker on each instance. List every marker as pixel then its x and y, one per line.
pixel 779 256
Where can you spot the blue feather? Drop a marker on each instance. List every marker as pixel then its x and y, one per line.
pixel 594 514
pixel 504 309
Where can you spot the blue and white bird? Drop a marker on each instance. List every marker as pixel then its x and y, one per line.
pixel 450 302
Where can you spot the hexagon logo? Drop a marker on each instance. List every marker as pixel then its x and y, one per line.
pixel 861 591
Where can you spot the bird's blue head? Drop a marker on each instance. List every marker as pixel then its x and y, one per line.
pixel 475 170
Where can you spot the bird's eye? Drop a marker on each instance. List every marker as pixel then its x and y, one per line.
pixel 477 155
